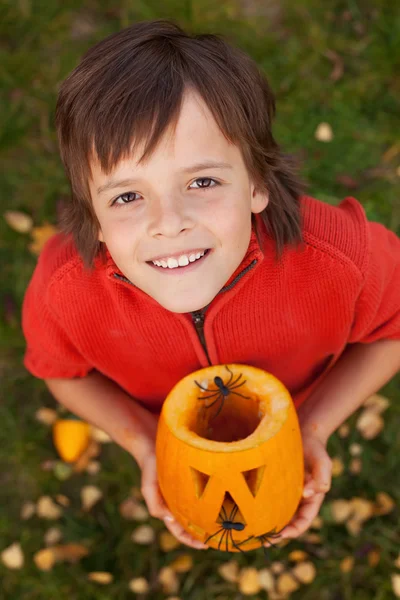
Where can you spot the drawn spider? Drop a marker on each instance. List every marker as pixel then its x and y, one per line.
pixel 265 537
pixel 228 525
pixel 223 390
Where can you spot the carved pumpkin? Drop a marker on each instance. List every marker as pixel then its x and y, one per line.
pixel 229 456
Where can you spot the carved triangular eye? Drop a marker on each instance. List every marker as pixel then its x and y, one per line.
pixel 230 511
pixel 253 478
pixel 200 481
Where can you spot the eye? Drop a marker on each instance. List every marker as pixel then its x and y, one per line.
pixel 125 199
pixel 205 183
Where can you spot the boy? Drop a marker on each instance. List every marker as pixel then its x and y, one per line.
pixel 188 242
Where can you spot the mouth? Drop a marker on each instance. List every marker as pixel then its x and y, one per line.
pixel 183 263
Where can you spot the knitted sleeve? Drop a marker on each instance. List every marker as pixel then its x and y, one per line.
pixel 49 351
pixel 378 306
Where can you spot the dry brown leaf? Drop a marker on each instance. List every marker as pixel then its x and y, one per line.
pixel 52 536
pixel 277 567
pixel 347 564
pixel 384 504
pixel 355 466
pixel 248 581
pixel 397 562
pixel 132 510
pixel 354 526
pixel 47 509
pixel 101 577
pixel 169 580
pixel 139 585
pixel 90 494
pixel 324 133
pixel 344 430
pixel 69 552
pixel 312 538
pixel 377 403
pixel 46 416
pixel 266 579
pixel 337 466
pixel 286 583
pixel 144 534
pixel 317 522
pixel 27 510
pixel 229 571
pixel 341 510
pixel 92 451
pixel 18 221
pixel 44 559
pixel 93 467
pixel 99 435
pixel 305 571
pixel 297 555
pixel 168 541
pixel 182 563
pixel 355 449
pixel 395 577
pixel 374 556
pixel 361 508
pixel 369 424
pixel 40 236
pixel 13 557
pixel 63 500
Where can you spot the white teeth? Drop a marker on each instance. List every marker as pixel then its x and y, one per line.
pixel 182 261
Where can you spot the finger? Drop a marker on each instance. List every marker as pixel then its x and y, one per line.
pixel 322 472
pixel 307 512
pixel 183 536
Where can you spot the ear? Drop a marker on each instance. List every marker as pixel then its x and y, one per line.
pixel 259 199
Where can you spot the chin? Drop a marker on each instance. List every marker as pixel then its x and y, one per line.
pixel 182 305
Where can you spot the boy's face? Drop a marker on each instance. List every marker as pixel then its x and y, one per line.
pixel 170 209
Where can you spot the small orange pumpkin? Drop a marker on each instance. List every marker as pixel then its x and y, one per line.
pixel 229 456
pixel 71 437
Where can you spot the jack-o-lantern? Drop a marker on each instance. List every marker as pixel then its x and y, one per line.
pixel 229 456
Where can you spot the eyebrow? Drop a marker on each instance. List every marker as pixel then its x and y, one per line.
pixel 208 164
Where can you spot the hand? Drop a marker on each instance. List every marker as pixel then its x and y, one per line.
pixel 318 475
pixel 157 507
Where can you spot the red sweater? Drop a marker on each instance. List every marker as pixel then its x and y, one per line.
pixel 292 318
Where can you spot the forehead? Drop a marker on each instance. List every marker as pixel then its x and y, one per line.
pixel 194 138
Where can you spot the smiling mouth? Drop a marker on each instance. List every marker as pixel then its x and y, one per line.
pixel 178 264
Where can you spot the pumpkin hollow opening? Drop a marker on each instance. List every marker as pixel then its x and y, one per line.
pixel 227 419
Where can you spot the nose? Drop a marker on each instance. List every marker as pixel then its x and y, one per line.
pixel 168 217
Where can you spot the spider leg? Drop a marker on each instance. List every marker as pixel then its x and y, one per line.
pixel 236 545
pixel 224 514
pixel 216 393
pixel 215 401
pixel 234 512
pixel 222 537
pixel 241 395
pixel 200 386
pixel 233 386
pixel 236 380
pixel 213 534
pixel 230 378
pixel 220 408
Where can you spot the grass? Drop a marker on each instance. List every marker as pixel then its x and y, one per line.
pixel 298 46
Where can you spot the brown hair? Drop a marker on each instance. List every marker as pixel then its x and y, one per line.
pixel 129 88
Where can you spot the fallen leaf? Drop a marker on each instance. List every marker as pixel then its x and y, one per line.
pixel 286 583
pixel 92 451
pixel 305 572
pixel 361 508
pixel 355 466
pixel 63 500
pixel 344 430
pixel 229 571
pixel 297 555
pixel 13 557
pixel 18 221
pixel 338 65
pixel 312 538
pixel 369 424
pixel 384 504
pixel 182 563
pixel 40 236
pixel 397 562
pixel 144 534
pixel 317 522
pixel 277 567
pixel 132 510
pixel 93 467
pixel 101 577
pixel 168 541
pixel 354 526
pixel 28 510
pixel 44 559
pixel 337 466
pixel 62 470
pixel 324 133
pixel 355 449
pixel 69 552
pixel 47 509
pixel 99 436
pixel 374 556
pixel 46 416
pixel 90 494
pixel 377 402
pixel 395 577
pixel 169 580
pixel 139 585
pixel 266 579
pixel 347 564
pixel 52 536
pixel 248 581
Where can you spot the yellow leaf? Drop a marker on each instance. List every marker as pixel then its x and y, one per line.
pixel 286 583
pixel 361 508
pixel 12 557
pixel 47 509
pixel 46 416
pixel 384 504
pixel 341 510
pixel 355 449
pixel 143 535
pixel 182 563
pixel 63 500
pixel 396 584
pixel 337 466
pixel 52 536
pixel 397 562
pixel 28 510
pixel 347 564
pixel 377 403
pixel 18 221
pixel 312 538
pixel 69 552
pixel 168 541
pixel 132 510
pixel 93 467
pixel 40 236
pixel 92 450
pixel 354 526
pixel 101 577
pixel 44 559
pixel 90 494
pixel 324 133
pixel 374 556
pixel 248 581
pixel 277 567
pixel 369 424
pixel 139 585
pixel 305 571
pixel 297 555
pixel 100 436
pixel 229 571
pixel 169 580
pixel 317 522
pixel 266 579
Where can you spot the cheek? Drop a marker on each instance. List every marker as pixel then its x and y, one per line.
pixel 119 234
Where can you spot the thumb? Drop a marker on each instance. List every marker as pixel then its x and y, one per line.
pixel 151 490
pixel 320 465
